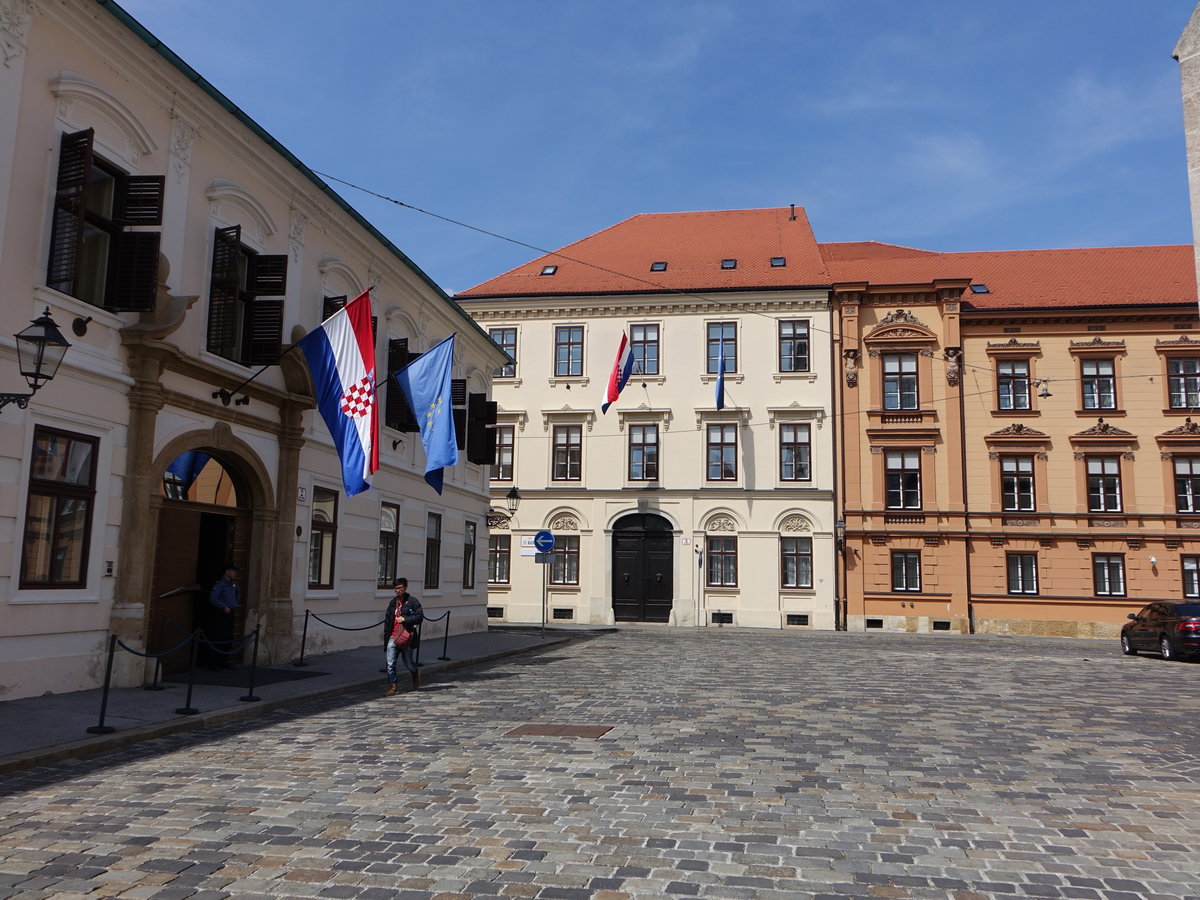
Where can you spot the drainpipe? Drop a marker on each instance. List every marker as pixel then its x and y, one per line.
pixel 839 544
pixel 962 456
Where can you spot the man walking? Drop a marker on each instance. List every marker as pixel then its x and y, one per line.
pixel 402 634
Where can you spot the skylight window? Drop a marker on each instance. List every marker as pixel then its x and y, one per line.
pixel 729 264
pixel 980 289
pixel 549 270
pixel 660 266
pixel 778 262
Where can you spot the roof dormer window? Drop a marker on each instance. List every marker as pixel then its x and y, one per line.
pixel 980 289
pixel 729 264
pixel 549 270
pixel 660 266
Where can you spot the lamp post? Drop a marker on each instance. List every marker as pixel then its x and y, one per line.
pixel 513 499
pixel 839 576
pixel 40 350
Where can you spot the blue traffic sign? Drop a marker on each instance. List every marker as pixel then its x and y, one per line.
pixel 544 541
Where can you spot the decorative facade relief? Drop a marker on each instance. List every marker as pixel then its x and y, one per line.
pixel 183 136
pixel 953 364
pixel 296 234
pixel 15 16
pixel 721 523
pixel 564 522
pixel 795 525
pixel 1103 428
pixel 901 317
pixel 497 521
pixel 851 357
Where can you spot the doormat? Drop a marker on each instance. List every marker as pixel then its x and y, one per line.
pixel 240 677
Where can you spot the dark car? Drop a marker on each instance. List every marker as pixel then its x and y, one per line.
pixel 1171 628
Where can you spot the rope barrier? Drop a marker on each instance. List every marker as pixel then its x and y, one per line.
pixel 345 628
pixel 179 646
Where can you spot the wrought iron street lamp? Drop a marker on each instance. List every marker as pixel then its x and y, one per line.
pixel 40 350
pixel 513 499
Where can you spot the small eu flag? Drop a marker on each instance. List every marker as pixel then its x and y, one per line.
pixel 426 385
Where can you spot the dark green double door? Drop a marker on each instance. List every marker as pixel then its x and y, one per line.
pixel 642 548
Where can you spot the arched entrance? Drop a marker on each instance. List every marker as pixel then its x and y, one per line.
pixel 203 524
pixel 642 546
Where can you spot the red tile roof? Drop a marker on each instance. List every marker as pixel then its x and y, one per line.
pixel 1031 279
pixel 693 244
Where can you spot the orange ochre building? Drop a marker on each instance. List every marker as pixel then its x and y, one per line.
pixel 1017 445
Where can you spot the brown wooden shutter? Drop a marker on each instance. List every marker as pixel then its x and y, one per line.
pixel 66 239
pixel 330 305
pixel 135 281
pixel 269 278
pixel 396 412
pixel 458 392
pixel 481 432
pixel 264 338
pixel 139 200
pixel 460 428
pixel 224 291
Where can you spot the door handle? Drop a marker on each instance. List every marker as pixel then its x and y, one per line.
pixel 659 577
pixel 627 578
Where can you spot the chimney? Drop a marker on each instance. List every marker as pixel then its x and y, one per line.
pixel 792 218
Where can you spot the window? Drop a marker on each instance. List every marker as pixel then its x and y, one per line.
pixel 1183 383
pixel 1104 484
pixel 1099 384
pixel 1108 575
pixel 94 255
pixel 795 561
pixel 900 381
pixel 906 570
pixel 503 469
pixel 659 266
pixel 793 346
pixel 643 345
pixel 722 453
pixel 389 544
pixel 643 452
pixel 568 350
pixel 778 262
pixel 506 340
pixel 468 578
pixel 1191 576
pixel 568 453
pixel 795 452
pixel 722 336
pixel 902 478
pixel 1016 484
pixel 722 561
pixel 433 551
pixel 1187 484
pixel 1012 383
pixel 58 517
pixel 1022 573
pixel 729 264
pixel 565 567
pixel 548 270
pixel 245 301
pixel 322 538
pixel 499 558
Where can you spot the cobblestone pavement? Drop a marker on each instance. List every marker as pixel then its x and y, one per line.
pixel 738 764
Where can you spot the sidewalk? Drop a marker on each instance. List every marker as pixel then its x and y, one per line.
pixel 39 730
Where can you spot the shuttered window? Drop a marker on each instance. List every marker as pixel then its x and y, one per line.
pixel 95 255
pixel 245 305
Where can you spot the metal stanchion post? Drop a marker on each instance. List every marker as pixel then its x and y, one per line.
pixel 187 709
pixel 445 638
pixel 250 698
pixel 156 684
pixel 101 728
pixel 303 641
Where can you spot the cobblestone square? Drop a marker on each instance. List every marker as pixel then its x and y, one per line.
pixel 734 765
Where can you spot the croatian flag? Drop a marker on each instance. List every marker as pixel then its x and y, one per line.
pixel 341 356
pixel 620 373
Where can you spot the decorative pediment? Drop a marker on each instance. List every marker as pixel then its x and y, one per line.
pixel 568 416
pixel 1016 429
pixel 795 525
pixel 1187 429
pixel 1182 437
pixel 901 326
pixel 1106 429
pixel 1013 347
pixel 1183 343
pixel 721 524
pixel 645 414
pixel 1098 345
pixel 564 522
pixel 1104 435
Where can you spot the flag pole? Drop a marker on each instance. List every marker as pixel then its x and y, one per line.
pixel 225 396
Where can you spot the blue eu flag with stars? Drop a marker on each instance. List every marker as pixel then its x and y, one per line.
pixel 426 386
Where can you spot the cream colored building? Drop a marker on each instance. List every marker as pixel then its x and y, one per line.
pixel 180 247
pixel 666 508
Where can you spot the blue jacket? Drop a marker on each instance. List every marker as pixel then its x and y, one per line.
pixel 224 594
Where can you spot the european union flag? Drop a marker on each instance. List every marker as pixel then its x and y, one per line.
pixel 720 398
pixel 426 386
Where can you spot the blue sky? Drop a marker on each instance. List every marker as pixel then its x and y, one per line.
pixel 942 125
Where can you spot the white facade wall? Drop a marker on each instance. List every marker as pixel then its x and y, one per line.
pixel 758 508
pixel 70 65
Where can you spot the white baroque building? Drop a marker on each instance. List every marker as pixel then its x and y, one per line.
pixel 180 247
pixel 666 508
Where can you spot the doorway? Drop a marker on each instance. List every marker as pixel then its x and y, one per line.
pixel 643 547
pixel 201 527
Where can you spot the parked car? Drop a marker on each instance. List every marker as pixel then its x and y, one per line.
pixel 1171 628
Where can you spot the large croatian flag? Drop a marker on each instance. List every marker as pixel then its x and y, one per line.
pixel 620 373
pixel 341 356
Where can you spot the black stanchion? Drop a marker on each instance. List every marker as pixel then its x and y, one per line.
pixel 101 728
pixel 303 641
pixel 156 684
pixel 187 709
pixel 445 638
pixel 250 698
